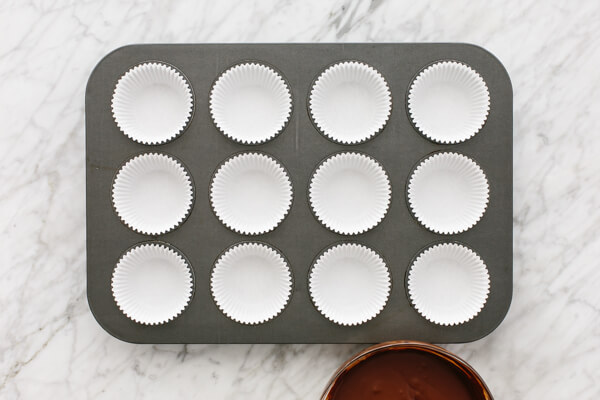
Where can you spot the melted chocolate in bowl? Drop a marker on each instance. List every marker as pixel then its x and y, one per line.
pixel 411 373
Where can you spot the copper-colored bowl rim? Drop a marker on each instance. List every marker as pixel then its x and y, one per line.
pixel 458 362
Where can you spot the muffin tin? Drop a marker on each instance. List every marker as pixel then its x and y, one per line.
pixel 297 237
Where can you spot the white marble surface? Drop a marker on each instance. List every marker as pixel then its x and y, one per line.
pixel 51 347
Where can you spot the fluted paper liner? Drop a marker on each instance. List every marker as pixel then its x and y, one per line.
pixel 349 284
pixel 250 103
pixel 152 193
pixel 251 283
pixel 350 102
pixel 251 193
pixel 448 193
pixel 152 284
pixel 152 103
pixel 448 284
pixel 350 193
pixel 448 102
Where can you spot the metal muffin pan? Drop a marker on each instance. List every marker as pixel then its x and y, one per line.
pixel 300 237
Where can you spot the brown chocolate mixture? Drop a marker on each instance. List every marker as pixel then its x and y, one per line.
pixel 404 375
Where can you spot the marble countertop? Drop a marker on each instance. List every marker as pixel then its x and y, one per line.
pixel 547 347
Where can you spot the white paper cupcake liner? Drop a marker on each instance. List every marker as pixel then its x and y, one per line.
pixel 250 103
pixel 448 102
pixel 350 102
pixel 152 283
pixel 152 103
pixel 251 193
pixel 448 193
pixel 350 193
pixel 448 284
pixel 152 193
pixel 349 284
pixel 251 283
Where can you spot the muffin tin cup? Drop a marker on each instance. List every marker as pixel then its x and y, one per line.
pixel 448 102
pixel 349 193
pixel 299 148
pixel 153 193
pixel 250 103
pixel 447 192
pixel 251 193
pixel 251 283
pixel 153 103
pixel 349 283
pixel 152 283
pixel 448 283
pixel 349 102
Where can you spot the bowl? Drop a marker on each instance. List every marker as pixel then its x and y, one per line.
pixel 359 378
